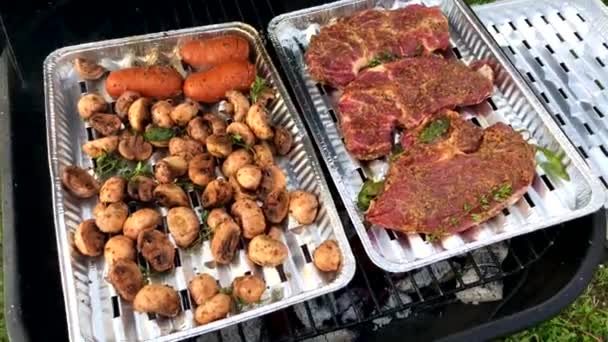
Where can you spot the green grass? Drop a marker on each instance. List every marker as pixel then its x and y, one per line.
pixel 585 320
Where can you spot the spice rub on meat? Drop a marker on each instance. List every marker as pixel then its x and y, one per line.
pixel 454 177
pixel 365 38
pixel 405 93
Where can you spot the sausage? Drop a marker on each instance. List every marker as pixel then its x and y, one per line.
pixel 211 86
pixel 205 53
pixel 160 82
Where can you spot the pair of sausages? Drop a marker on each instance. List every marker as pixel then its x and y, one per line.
pixel 226 61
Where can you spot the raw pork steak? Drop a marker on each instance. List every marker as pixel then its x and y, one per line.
pixel 405 93
pixel 447 183
pixel 342 48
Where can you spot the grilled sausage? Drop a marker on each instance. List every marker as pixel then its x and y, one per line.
pixel 205 53
pixel 211 86
pixel 156 81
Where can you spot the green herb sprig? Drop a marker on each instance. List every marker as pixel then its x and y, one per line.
pixel 383 57
pixel 554 164
pixel 369 191
pixel 204 233
pixel 434 130
pixel 257 88
pixel 159 134
pixel 108 164
pixel 140 169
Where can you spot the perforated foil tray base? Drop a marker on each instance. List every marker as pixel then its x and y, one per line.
pixel 95 312
pixel 547 202
pixel 561 48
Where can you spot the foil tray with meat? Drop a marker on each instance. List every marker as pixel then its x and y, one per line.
pixel 436 144
pixel 186 191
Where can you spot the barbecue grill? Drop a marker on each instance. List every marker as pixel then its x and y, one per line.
pixel 516 284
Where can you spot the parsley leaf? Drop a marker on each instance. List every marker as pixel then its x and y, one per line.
pixel 554 166
pixel 257 88
pixel 107 164
pixel 383 57
pixel 502 192
pixel 467 207
pixel 476 217
pixel 454 221
pixel 483 202
pixel 159 134
pixel 369 191
pixel 140 169
pixel 434 130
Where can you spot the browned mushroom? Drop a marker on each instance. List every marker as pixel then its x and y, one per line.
pixel 134 147
pixel 124 102
pixel 126 278
pixel 199 130
pixel 87 69
pixel 225 240
pixel 156 248
pixel 88 239
pixel 106 124
pixel 283 140
pixel 140 188
pixel 79 182
pixel 201 169
pixel 276 205
pixel 217 193
pixel 90 104
pixel 218 125
pixel 171 195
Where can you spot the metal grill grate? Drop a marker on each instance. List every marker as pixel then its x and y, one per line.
pixel 374 294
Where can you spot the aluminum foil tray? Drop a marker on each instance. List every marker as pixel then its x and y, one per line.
pixel 547 202
pixel 95 312
pixel 561 47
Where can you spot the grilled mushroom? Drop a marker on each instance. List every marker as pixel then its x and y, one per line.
pixel 171 195
pixel 240 104
pixel 134 147
pixel 98 147
pixel 156 248
pixel 124 102
pixel 184 112
pixel 161 114
pixel 79 182
pixel 158 299
pixel 257 120
pixel 90 104
pixel 106 124
pixel 88 239
pixel 88 70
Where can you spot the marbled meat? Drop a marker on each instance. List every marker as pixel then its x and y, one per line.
pixel 403 94
pixel 454 181
pixel 344 47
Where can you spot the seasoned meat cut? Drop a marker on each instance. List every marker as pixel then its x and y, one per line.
pixel 344 47
pixel 403 94
pixel 452 176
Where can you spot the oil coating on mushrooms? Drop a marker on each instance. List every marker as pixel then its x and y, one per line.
pixel 276 205
pixel 218 125
pixel 134 147
pixel 225 240
pixel 235 161
pixel 242 131
pixel 119 247
pixel 263 154
pixel 283 140
pixel 240 193
pixel 105 124
pixel 266 251
pixel 161 114
pixel 198 130
pixel 126 278
pixel 87 69
pixel 183 225
pixel 178 164
pixel 124 102
pixel 217 193
pixel 249 288
pixel 156 248
pixel 249 176
pixel 113 190
pixel 202 288
pixel 88 239
pixel 185 147
pixel 171 195
pixel 216 217
pixel 79 182
pixel 303 206
pixel 90 104
pixel 139 114
pixel 201 169
pixel 257 120
pixel 98 147
pixel 249 216
pixel 327 257
pixel 219 145
pixel 111 217
pixel 144 219
pixel 184 112
pixel 273 178
pixel 157 299
pixel 240 105
pixel 213 309
pixel 140 188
